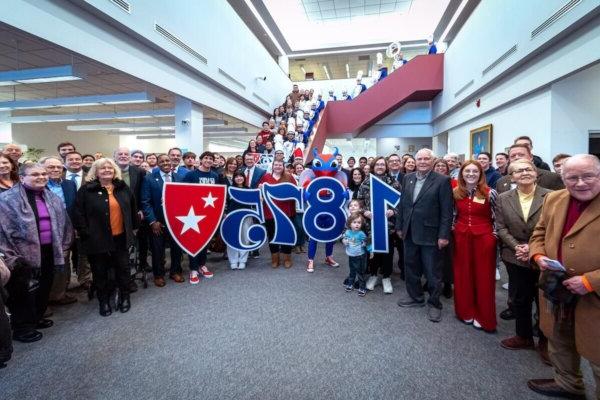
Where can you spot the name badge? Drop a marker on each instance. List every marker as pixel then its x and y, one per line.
pixel 478 200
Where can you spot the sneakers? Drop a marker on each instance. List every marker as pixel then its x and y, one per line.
pixel 505 286
pixel 497 273
pixel 407 301
pixel 205 272
pixel 362 292
pixel 310 267
pixel 194 278
pixel 242 266
pixel 331 262
pixel 435 314
pixel 476 325
pixel 349 288
pixel 387 286
pixel 372 282
pixel 234 266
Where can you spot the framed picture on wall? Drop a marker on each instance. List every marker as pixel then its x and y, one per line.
pixel 481 140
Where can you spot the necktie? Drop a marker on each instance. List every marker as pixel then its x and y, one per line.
pixel 73 177
pixel 247 173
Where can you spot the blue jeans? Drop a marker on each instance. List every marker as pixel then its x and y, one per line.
pixel 300 234
pixel 358 270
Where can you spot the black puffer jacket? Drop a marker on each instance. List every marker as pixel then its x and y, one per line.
pixel 92 219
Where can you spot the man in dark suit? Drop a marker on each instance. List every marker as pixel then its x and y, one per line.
pixel 152 190
pixel 394 163
pixel 66 190
pixel 424 222
pixel 133 177
pixel 546 179
pixel 340 160
pixel 177 169
pixel 253 175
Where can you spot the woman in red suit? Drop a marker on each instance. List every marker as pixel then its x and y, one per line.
pixel 474 257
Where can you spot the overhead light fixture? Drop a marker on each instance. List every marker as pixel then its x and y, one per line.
pixel 228 130
pixel 116 127
pixel 79 101
pixel 347 71
pixel 453 20
pixel 41 75
pixel 32 119
pixel 214 122
pixel 320 53
pixel 303 70
pixel 326 72
pixel 155 137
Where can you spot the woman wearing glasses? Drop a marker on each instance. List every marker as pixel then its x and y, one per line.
pixel 474 258
pixel 34 235
pixel 517 213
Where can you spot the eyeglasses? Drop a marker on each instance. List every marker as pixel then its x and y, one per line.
pixel 587 178
pixel 521 170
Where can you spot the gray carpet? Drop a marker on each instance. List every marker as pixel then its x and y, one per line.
pixel 268 334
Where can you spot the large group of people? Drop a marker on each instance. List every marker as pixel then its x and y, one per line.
pixel 83 214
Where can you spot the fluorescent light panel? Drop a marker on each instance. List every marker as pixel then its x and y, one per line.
pixel 228 130
pixel 79 101
pixel 41 75
pixel 32 119
pixel 146 137
pixel 326 72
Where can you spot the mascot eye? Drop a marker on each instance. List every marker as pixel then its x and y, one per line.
pixel 334 164
pixel 317 163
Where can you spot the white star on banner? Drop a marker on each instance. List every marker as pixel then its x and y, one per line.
pixel 209 200
pixel 190 221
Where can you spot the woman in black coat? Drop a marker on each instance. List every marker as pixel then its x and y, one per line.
pixel 105 219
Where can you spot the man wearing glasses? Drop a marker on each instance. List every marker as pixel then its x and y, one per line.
pixel 568 232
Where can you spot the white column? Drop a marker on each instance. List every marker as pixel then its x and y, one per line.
pixel 284 64
pixel 189 125
pixel 5 128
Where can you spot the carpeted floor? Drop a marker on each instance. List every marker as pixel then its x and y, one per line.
pixel 268 334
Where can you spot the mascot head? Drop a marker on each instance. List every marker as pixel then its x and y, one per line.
pixel 325 164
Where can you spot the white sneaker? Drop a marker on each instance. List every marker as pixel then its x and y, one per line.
pixel 194 279
pixel 497 274
pixel 505 286
pixel 387 286
pixel 372 282
pixel 241 266
pixel 234 266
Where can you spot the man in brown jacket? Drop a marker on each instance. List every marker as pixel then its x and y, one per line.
pixel 568 231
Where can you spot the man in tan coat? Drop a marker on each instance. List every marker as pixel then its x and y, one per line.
pixel 568 231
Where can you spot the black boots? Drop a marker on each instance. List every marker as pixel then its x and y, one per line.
pixel 124 303
pixel 105 309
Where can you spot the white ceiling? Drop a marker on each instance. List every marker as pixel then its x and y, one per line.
pixel 329 10
pixel 20 50
pixel 322 24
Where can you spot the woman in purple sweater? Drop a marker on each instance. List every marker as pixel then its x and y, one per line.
pixel 34 235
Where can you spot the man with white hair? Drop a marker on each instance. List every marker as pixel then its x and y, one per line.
pixel 424 222
pixel 13 151
pixel 567 233
pixel 453 164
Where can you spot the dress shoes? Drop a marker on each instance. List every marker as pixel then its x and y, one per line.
pixel 507 314
pixel 159 281
pixel 105 309
pixel 549 387
pixel 44 323
pixel 517 343
pixel 125 304
pixel 177 278
pixel 434 314
pixel 28 337
pixel 63 301
pixel 407 301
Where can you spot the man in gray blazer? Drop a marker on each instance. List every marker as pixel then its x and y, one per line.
pixel 424 222
pixel 546 179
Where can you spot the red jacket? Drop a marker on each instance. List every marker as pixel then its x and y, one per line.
pixel 287 206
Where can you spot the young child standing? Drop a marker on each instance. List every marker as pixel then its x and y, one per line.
pixel 237 258
pixel 355 241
